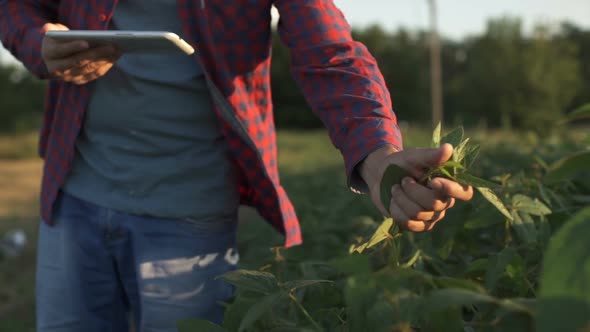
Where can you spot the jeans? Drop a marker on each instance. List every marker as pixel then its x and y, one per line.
pixel 97 269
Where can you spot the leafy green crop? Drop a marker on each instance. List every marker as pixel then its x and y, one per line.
pixel 457 169
pixel 480 271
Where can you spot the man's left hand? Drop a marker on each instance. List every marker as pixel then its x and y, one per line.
pixel 414 207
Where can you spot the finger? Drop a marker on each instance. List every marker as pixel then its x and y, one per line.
pixel 79 80
pixel 398 215
pixel 428 199
pixel 419 159
pixel 89 77
pixel 83 79
pixel 53 50
pixel 418 226
pixel 450 203
pixel 64 67
pixel 404 221
pixel 451 188
pixel 413 210
pixel 53 26
pixel 83 59
pixel 438 217
pixel 102 70
pixel 100 66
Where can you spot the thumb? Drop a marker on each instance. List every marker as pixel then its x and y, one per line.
pixel 415 160
pixel 53 27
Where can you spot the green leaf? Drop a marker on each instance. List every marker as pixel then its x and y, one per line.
pixel 541 162
pixel 360 294
pixel 524 225
pixel 448 320
pixel 455 137
pixel 476 267
pixel 451 163
pixel 562 314
pixel 497 266
pixel 565 168
pixel 564 295
pixel 198 325
pixel 471 153
pixel 436 136
pixel 352 264
pixel 287 328
pixel 457 283
pixel 446 173
pixel 453 297
pixel 582 199
pixel 236 310
pixel 379 316
pixel 513 321
pixel 528 205
pixel 582 112
pixel 488 194
pixel 257 281
pixel 296 284
pixel 393 175
pixel 474 181
pixel 460 150
pixel 380 234
pixel 566 266
pixel 265 305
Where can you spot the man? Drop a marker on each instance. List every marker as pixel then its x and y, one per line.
pixel 147 156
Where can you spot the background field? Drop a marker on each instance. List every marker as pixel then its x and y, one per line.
pixel 312 173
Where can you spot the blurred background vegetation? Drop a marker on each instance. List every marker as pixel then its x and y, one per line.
pixel 501 79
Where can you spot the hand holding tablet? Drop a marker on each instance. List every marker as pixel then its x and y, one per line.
pixel 127 41
pixel 81 56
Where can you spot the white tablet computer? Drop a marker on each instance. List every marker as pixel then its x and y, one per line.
pixel 128 41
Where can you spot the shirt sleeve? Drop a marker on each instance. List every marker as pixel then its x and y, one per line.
pixel 21 23
pixel 340 80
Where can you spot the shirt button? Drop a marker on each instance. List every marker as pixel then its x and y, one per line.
pixel 102 17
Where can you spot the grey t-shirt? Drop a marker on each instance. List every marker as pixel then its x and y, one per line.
pixel 151 143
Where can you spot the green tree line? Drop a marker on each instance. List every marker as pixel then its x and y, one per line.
pixel 501 78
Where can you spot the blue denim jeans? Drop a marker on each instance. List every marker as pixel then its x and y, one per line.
pixel 97 267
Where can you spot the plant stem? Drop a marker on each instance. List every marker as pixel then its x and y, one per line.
pixel 305 313
pixel 413 259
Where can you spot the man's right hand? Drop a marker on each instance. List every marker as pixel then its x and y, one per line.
pixel 75 61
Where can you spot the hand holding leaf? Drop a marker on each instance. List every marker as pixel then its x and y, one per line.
pixel 415 187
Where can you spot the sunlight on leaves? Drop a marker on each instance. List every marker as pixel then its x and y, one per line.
pixel 381 234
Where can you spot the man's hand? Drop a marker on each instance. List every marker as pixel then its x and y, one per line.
pixel 414 207
pixel 75 61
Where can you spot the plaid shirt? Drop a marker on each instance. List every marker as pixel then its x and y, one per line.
pixel 338 76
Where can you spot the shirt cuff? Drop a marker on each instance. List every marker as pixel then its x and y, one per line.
pixel 362 141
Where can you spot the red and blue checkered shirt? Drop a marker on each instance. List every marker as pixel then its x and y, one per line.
pixel 338 76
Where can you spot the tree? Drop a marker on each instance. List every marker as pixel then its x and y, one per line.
pixel 514 81
pixel 581 38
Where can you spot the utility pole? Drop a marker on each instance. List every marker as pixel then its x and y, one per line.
pixel 435 66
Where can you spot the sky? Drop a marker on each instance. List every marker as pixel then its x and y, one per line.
pixel 457 18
